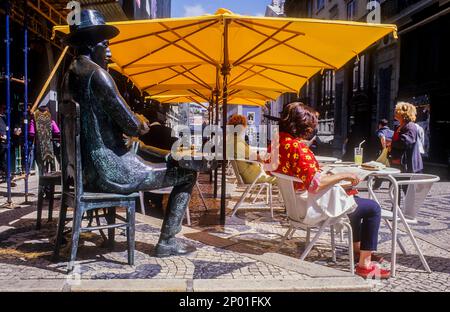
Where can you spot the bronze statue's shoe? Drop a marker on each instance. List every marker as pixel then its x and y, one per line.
pixel 173 249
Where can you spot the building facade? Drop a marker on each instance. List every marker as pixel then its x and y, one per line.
pixel 145 9
pixel 275 9
pixel 410 68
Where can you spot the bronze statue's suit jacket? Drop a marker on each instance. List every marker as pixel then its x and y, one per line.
pixel 107 164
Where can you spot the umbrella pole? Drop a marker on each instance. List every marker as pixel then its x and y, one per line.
pixel 209 123
pixel 225 72
pixel 216 135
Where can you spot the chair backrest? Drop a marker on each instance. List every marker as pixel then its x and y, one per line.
pixel 236 171
pixel 134 146
pixel 418 189
pixel 71 168
pixel 295 203
pixel 45 156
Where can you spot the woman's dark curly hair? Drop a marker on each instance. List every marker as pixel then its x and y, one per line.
pixel 298 120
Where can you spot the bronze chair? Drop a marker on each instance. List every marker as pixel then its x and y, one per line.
pixel 45 159
pixel 73 194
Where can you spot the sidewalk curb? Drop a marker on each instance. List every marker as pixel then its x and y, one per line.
pixel 339 284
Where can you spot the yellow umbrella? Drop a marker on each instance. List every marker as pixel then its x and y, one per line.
pixel 259 52
pixel 246 52
pixel 183 98
pixel 177 93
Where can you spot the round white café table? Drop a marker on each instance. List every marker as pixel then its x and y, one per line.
pixel 326 159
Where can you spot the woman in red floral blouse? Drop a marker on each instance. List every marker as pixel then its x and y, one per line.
pixel 297 124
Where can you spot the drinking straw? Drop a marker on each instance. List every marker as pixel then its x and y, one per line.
pixel 361 143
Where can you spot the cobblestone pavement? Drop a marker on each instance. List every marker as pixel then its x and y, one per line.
pixel 432 233
pixel 233 252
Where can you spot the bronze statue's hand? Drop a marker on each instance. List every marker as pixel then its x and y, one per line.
pixel 144 128
pixel 142 118
pixel 144 124
pixel 129 141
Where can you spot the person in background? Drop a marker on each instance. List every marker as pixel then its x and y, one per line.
pixel 248 170
pixel 384 135
pixel 3 145
pixel 420 138
pixel 15 137
pixel 405 150
pixel 297 123
pixel 384 139
pixel 405 153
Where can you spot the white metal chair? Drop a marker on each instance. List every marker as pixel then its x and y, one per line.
pixel 296 211
pixel 419 186
pixel 251 187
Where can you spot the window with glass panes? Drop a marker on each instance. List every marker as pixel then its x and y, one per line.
pixel 351 10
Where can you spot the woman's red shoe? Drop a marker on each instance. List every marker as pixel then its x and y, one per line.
pixel 374 271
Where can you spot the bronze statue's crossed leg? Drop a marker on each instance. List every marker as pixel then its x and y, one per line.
pixel 183 181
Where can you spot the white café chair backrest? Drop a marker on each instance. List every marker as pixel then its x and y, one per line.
pixel 418 189
pixel 295 207
pixel 236 172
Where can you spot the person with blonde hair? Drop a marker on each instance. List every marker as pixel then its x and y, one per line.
pixel 405 153
pixel 248 170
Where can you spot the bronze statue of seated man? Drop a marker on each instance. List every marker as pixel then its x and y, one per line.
pixel 108 165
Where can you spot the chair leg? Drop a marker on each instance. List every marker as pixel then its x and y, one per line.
pixel 416 245
pixel 130 232
pixel 283 240
pixel 201 195
pixel 333 244
pixel 76 230
pixel 51 198
pixel 188 216
pixel 244 195
pixel 40 202
pixel 270 200
pixel 292 233
pixel 315 239
pixel 308 235
pixel 142 202
pixel 262 186
pixel 60 230
pixel 111 232
pixel 400 244
pixel 97 220
pixel 350 247
pixel 90 215
pixel 267 194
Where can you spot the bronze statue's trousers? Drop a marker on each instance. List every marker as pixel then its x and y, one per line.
pixel 183 181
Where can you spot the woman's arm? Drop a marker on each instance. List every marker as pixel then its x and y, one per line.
pixel 326 181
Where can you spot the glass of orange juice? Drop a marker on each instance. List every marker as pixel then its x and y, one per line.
pixel 358 155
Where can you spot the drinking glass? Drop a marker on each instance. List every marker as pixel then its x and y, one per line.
pixel 358 155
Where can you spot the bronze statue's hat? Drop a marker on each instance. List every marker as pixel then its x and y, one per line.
pixel 91 29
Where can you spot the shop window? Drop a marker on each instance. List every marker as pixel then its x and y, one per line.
pixel 320 4
pixel 351 10
pixel 309 7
